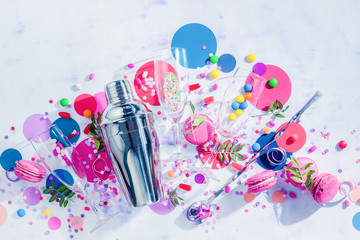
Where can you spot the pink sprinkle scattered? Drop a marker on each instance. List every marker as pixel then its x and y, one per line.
pixel 91 77
pixel 260 117
pixel 203 47
pixel 219 68
pixel 358 161
pixel 292 195
pixel 227 189
pixel 138 80
pixel 313 148
pixel 87 208
pixel 203 75
pixel 130 65
pixel 215 86
pixel 263 206
pixel 271 123
pixel 347 203
pixel 206 193
pixel 246 210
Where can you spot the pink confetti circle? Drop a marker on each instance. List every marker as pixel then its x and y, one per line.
pixel 54 223
pixel 3 214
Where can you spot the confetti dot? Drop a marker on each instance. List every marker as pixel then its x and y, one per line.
pixel 34 125
pixel 54 223
pixel 278 197
pixel 249 197
pixel 31 196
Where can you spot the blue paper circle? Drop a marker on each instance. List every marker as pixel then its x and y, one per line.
pixel 193 37
pixel 21 212
pixel 64 176
pixel 227 62
pixel 67 126
pixel 356 221
pixel 263 160
pixel 8 159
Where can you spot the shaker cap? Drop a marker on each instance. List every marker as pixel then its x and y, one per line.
pixel 118 91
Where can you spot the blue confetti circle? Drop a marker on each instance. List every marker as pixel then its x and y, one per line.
pixel 21 212
pixel 227 62
pixel 8 159
pixel 64 176
pixel 356 221
pixel 192 37
pixel 67 126
pixel 263 161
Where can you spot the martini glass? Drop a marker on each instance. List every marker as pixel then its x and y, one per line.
pixel 62 160
pixel 172 81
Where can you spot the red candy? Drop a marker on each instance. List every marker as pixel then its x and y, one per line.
pixel 209 100
pixel 194 86
pixel 87 129
pixel 185 187
pixel 64 114
pixel 342 144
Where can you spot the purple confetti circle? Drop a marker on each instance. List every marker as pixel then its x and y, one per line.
pixel 259 68
pixel 36 124
pixel 31 196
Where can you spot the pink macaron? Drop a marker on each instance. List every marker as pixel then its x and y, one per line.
pixel 324 188
pixel 29 171
pixel 261 181
pixel 302 161
pixel 199 135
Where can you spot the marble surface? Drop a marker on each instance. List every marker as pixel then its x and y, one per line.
pixel 48 46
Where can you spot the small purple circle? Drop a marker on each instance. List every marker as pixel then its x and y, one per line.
pixel 31 196
pixel 259 68
pixel 199 178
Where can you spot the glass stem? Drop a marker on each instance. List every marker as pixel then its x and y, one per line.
pixel 176 133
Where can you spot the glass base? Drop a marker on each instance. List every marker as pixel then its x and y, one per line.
pixel 101 221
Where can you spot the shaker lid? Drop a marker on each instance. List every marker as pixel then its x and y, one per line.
pixel 118 91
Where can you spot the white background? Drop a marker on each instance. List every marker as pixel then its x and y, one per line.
pixel 48 46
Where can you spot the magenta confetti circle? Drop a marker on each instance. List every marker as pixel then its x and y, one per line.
pixel 199 178
pixel 54 223
pixel 31 196
pixel 259 68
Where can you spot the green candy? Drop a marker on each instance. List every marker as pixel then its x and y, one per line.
pixel 273 82
pixel 214 59
pixel 64 102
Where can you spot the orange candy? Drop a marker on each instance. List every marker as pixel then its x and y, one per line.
pixel 266 130
pixel 171 173
pixel 248 95
pixel 87 113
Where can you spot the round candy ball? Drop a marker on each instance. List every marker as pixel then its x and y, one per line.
pixel 21 212
pixel 214 74
pixel 232 116
pixel 240 98
pixel 255 147
pixel 47 212
pixel 273 82
pixel 342 144
pixel 243 105
pixel 64 102
pixel 248 87
pixel 214 59
pixel 239 112
pixel 248 95
pixel 251 57
pixel 235 105
pixel 87 113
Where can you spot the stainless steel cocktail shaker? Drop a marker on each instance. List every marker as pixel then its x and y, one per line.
pixel 132 144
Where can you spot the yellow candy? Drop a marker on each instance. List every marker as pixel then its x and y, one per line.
pixel 251 57
pixel 248 95
pixel 47 212
pixel 266 130
pixel 239 112
pixel 232 116
pixel 240 99
pixel 214 74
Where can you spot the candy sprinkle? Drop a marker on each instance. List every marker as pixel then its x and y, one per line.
pixel 172 92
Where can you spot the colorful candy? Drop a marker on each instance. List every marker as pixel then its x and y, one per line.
pixel 209 100
pixel 87 113
pixel 271 123
pixel 64 114
pixel 194 86
pixel 203 75
pixel 21 212
pixel 273 82
pixel 255 147
pixel 232 116
pixel 214 59
pixel 251 57
pixel 185 187
pixel 266 130
pixel 240 98
pixel 243 105
pixel 64 102
pixel 247 87
pixel 131 65
pixel 47 212
pixel 235 105
pixel 172 92
pixel 239 112
pixel 171 173
pixel 342 144
pixel 313 148
pixel 248 95
pixel 91 76
pixel 214 74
